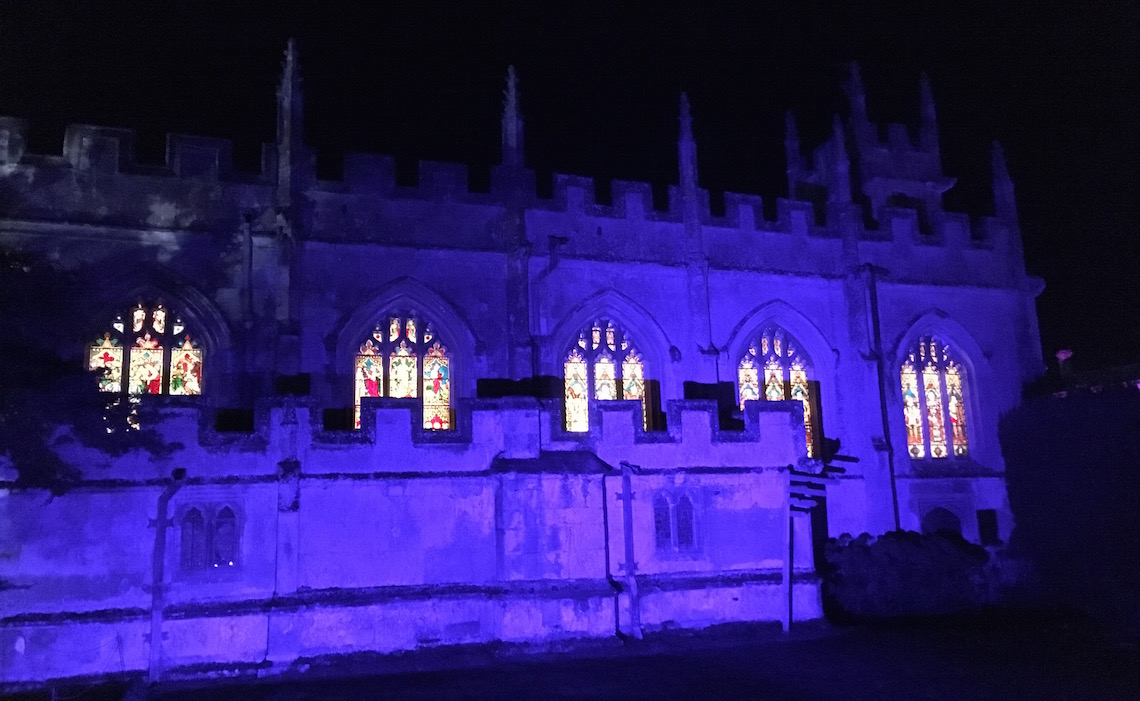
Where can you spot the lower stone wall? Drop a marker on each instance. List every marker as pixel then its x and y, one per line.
pixel 269 636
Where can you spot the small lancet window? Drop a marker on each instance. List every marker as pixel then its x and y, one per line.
pixel 406 361
pixel 193 541
pixel 939 398
pixel 149 356
pixel 225 538
pixel 674 522
pixel 662 522
pixel 602 360
pixel 775 367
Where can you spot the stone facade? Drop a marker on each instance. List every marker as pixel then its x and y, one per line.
pixel 507 526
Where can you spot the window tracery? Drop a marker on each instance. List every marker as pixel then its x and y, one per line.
pixel 602 360
pixel 674 522
pixel 403 358
pixel 939 400
pixel 146 353
pixel 785 375
pixel 209 539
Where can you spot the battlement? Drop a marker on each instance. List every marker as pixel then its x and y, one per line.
pixel 391 441
pixel 899 208
pixel 111 151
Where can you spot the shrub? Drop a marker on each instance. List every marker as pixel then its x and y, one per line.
pixel 903 573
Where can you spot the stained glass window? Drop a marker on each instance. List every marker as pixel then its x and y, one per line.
pixel 437 388
pixel 604 386
pixel 150 355
pixel 590 371
pixel 915 443
pixel 186 368
pixel 942 397
pixel 785 375
pixel 107 356
pixel 403 358
pixel 402 380
pixel 577 395
pixel 956 405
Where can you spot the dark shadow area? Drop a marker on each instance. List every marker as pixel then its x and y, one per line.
pixel 724 394
pixel 292 385
pixel 233 420
pixel 338 419
pixel 541 387
pixel 903 573
pixel 1073 475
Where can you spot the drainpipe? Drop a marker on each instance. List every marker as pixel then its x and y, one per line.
pixel 880 363
pixel 614 584
pixel 630 564
pixel 158 562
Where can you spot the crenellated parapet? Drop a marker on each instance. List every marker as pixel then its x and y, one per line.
pixel 821 228
pixel 392 443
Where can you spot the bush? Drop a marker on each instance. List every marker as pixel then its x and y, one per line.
pixel 903 573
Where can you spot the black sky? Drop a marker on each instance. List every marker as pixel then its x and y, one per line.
pixel 1059 86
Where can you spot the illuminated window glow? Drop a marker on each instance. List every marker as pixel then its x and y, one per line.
pixel 151 355
pixel 942 397
pixel 590 371
pixel 785 372
pixel 404 359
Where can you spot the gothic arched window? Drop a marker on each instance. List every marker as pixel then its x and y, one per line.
pixel 404 359
pixel 150 352
pixel 674 522
pixel 193 541
pixel 775 368
pixel 604 365
pixel 225 538
pixel 933 390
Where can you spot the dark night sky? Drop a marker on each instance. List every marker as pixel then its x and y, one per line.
pixel 1059 86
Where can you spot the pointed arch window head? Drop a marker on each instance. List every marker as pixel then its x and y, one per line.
pixel 932 381
pixel 402 359
pixel 147 355
pixel 603 365
pixel 775 368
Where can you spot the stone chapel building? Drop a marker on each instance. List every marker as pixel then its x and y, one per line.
pixel 477 416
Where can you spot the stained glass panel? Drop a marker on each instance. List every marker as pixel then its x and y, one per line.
pixel 911 411
pixel 437 388
pixel 800 391
pixel 107 355
pixel 393 329
pixel 933 394
pixel 369 376
pixel 605 385
pixel 158 320
pixel 186 368
pixel 632 377
pixel 633 384
pixel 402 381
pixel 773 381
pixel 957 409
pixel 145 370
pixel 138 318
pixel 610 336
pixel 410 329
pixel 748 379
pixel 577 404
pixel 596 336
